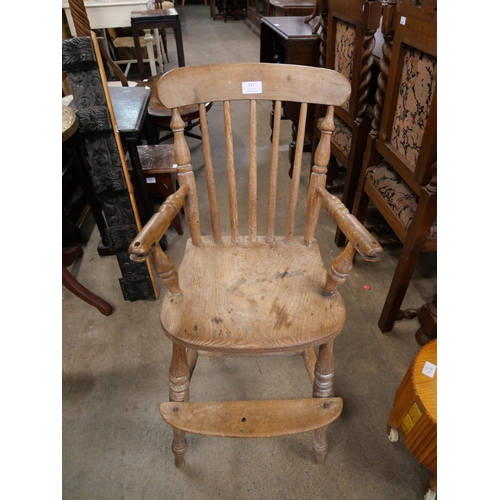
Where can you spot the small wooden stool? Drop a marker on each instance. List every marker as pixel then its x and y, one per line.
pixel 414 414
pixel 157 163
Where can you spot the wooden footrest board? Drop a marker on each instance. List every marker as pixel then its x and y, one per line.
pixel 252 418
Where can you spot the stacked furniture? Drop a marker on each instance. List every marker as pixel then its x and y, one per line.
pixel 399 173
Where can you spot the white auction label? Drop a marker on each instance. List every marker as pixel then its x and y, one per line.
pixel 150 180
pixel 402 20
pixel 251 87
pixel 429 369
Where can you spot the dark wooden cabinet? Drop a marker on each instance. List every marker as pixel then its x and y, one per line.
pixel 289 40
pixel 256 10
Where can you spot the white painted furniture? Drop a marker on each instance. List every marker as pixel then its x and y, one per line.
pixel 106 13
pixel 114 14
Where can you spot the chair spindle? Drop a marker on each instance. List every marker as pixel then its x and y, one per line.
pixel 252 174
pixel 231 173
pixel 294 189
pixel 273 174
pixel 209 172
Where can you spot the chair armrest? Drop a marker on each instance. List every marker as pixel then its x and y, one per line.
pixel 359 240
pixel 359 237
pixel 150 235
pixel 148 238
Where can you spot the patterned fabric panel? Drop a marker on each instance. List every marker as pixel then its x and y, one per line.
pixel 397 194
pixel 416 89
pixel 344 51
pixel 342 135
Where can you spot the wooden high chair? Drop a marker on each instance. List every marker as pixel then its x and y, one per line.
pixel 254 294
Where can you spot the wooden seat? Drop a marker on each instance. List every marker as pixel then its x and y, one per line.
pixel 399 173
pixel 251 294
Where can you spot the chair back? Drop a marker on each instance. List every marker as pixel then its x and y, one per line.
pixel 352 25
pixel 230 85
pixel 407 137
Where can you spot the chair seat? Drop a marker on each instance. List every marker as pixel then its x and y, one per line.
pixel 396 194
pixel 260 307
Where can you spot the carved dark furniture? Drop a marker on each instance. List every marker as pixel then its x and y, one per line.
pixel 399 168
pixel 151 19
pixel 111 184
pixel 351 27
pixel 69 127
pixel 255 294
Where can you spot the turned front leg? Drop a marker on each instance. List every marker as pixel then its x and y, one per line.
pixel 179 391
pixel 322 388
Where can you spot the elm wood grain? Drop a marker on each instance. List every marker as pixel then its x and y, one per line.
pixel 294 83
pixel 404 135
pixel 252 419
pixel 249 294
pixel 414 412
pixel 269 286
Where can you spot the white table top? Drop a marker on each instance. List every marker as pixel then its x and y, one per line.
pixel 106 13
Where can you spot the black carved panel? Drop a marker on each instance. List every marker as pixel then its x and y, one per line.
pixel 118 209
pixel 130 270
pixel 137 289
pixel 93 119
pixel 78 54
pixel 105 167
pixel 120 237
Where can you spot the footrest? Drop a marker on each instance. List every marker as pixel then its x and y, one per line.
pixel 252 418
